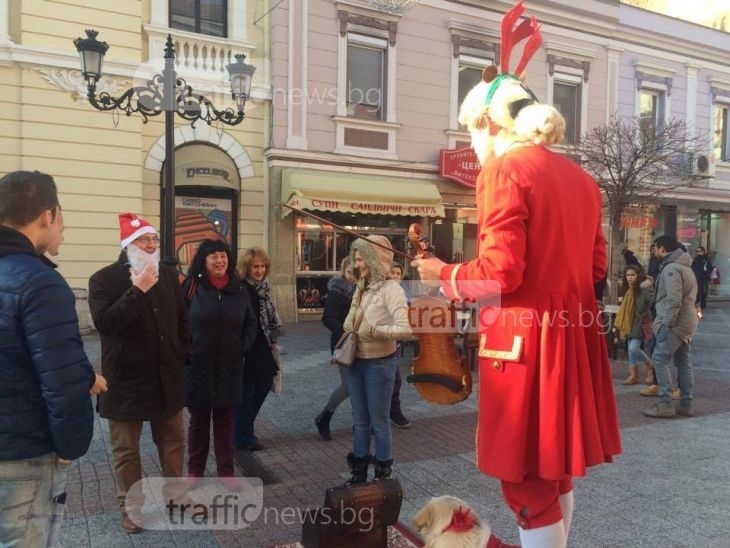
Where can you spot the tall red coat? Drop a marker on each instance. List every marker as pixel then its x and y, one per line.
pixel 546 401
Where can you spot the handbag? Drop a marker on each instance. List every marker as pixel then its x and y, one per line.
pixel 278 381
pixel 346 347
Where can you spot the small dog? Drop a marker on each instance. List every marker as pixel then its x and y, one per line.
pixel 449 522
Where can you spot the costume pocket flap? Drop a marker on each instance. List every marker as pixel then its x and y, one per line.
pixel 510 355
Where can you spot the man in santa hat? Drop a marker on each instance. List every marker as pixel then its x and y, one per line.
pixel 138 308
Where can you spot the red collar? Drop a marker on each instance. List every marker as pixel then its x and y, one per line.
pixel 461 521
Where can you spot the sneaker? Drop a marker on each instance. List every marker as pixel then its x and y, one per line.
pixel 676 394
pixel 684 410
pixel 193 481
pixel 661 410
pixel 399 420
pixel 652 390
pixel 255 446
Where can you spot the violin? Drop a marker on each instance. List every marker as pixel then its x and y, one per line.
pixel 438 373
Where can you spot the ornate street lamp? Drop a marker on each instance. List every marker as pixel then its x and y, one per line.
pixel 169 94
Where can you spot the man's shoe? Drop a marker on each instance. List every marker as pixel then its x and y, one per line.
pixel 662 410
pixel 686 411
pixel 676 394
pixel 131 526
pixel 652 390
pixel 399 420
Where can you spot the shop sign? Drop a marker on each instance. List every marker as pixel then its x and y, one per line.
pixel 373 208
pixel 637 221
pixel 197 171
pixel 460 165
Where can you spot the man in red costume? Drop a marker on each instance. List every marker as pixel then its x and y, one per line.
pixel 546 403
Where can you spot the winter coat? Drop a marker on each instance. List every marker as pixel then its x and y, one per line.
pixel 45 376
pixel 546 403
pixel 701 266
pixel 144 342
pixel 676 292
pixel 336 307
pixel 222 326
pixel 260 366
pixel 642 305
pixel 381 300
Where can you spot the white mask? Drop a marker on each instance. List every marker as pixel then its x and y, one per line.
pixel 139 258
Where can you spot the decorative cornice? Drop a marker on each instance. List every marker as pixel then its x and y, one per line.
pixel 584 66
pixel 642 77
pixel 458 41
pixel 347 18
pixel 72 80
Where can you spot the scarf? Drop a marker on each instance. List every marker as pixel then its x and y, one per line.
pixel 268 317
pixel 219 283
pixel 625 314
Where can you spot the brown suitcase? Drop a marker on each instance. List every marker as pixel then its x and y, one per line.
pixel 355 516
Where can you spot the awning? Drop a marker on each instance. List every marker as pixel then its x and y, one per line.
pixel 354 193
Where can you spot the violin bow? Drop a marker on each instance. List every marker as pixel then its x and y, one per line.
pixel 348 231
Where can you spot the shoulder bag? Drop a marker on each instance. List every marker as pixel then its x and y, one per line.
pixel 346 347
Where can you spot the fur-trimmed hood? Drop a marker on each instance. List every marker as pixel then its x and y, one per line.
pixel 377 258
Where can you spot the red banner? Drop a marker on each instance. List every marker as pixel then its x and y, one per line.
pixel 460 165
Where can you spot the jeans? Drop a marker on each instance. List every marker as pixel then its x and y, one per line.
pixel 254 395
pixel 32 501
pixel 371 387
pixel 635 352
pixel 668 346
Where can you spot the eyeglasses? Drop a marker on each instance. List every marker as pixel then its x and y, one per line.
pixel 147 240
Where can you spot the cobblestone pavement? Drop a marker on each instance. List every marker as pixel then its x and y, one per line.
pixel 669 488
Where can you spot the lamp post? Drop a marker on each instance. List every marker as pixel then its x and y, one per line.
pixel 170 94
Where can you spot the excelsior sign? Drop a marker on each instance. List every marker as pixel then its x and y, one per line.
pixel 460 165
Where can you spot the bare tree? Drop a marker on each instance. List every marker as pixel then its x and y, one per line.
pixel 634 161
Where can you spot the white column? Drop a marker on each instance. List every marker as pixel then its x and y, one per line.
pixel 691 104
pixel 158 13
pixel 238 19
pixel 4 22
pixel 612 80
pixel 297 93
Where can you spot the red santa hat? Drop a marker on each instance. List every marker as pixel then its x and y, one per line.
pixel 132 227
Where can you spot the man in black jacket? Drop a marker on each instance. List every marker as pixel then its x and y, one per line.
pixel 46 416
pixel 138 308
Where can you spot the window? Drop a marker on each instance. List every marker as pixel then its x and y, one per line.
pixel 721 144
pixel 567 90
pixel 567 99
pixel 200 16
pixel 366 78
pixel 470 74
pixel 651 113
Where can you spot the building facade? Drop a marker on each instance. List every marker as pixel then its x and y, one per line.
pixel 105 163
pixel 365 132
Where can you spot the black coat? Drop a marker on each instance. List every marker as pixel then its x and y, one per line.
pixel 260 366
pixel 144 339
pixel 336 307
pixel 222 327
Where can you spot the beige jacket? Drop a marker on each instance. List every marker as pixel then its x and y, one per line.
pixel 383 306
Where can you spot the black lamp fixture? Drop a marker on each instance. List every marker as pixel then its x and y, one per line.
pixel 167 93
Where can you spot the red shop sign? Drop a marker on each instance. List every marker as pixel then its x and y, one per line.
pixel 460 165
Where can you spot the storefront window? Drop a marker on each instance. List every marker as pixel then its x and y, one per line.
pixel 320 248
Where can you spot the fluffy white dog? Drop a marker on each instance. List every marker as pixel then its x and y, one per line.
pixel 449 522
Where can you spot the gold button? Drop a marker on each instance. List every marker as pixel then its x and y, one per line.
pixel 496 364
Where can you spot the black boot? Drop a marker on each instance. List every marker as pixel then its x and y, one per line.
pixel 383 468
pixel 358 467
pixel 323 423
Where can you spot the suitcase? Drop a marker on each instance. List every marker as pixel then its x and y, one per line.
pixel 354 516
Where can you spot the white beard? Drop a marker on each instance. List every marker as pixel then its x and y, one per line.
pixel 139 258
